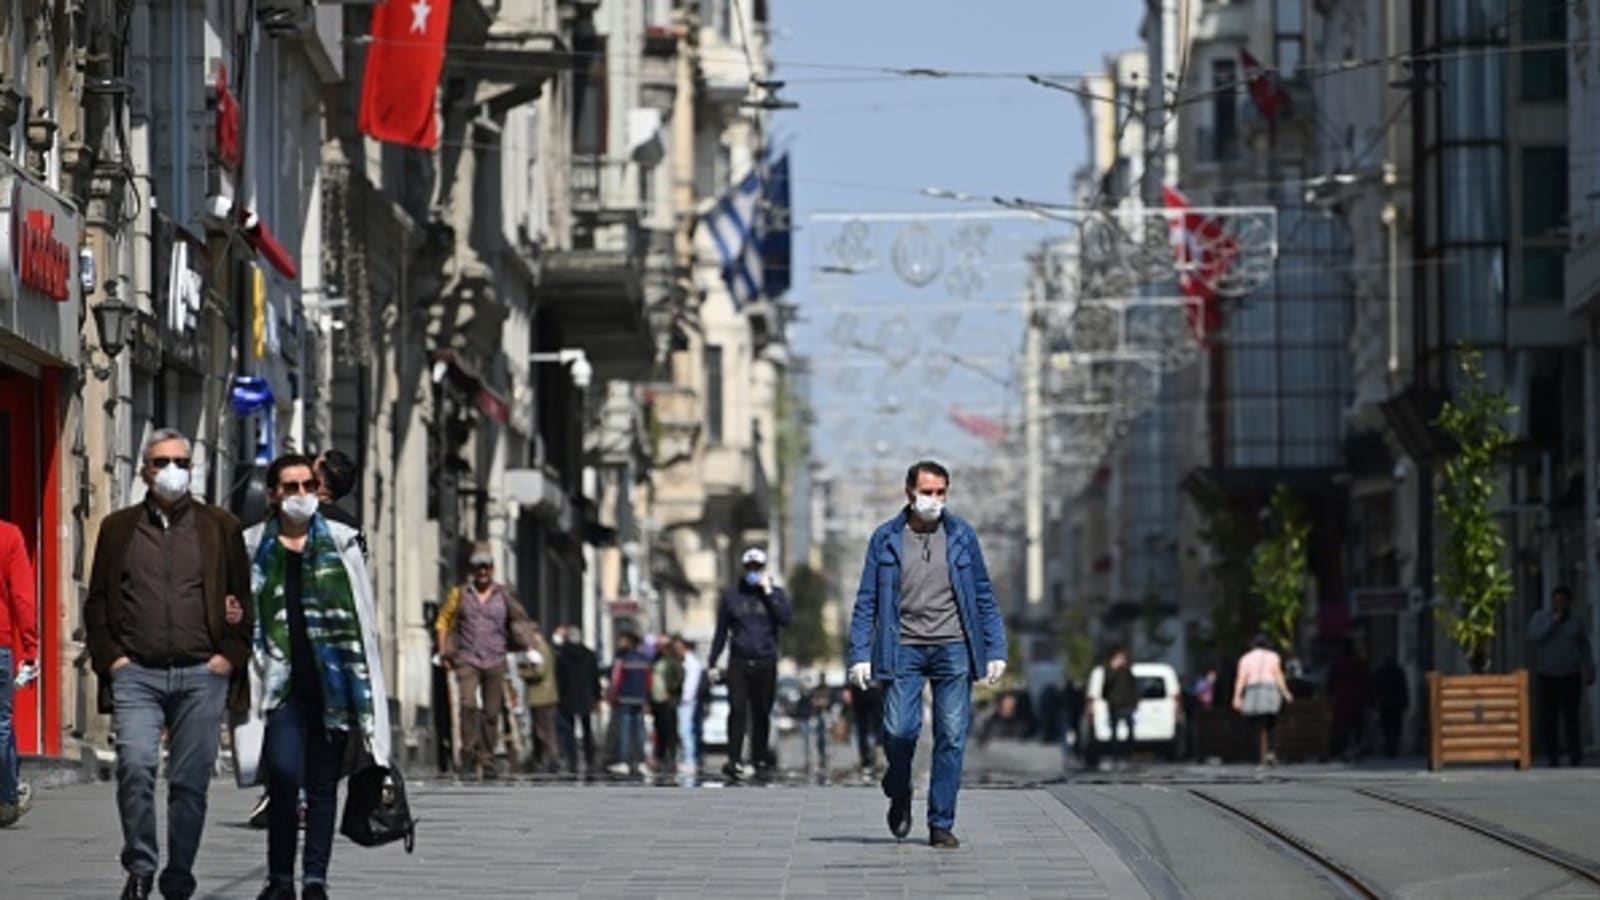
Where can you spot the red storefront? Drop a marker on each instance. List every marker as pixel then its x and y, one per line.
pixel 40 300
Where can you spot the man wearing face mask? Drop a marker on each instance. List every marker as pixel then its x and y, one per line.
pixel 752 613
pixel 925 612
pixel 167 635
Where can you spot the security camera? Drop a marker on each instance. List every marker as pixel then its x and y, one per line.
pixel 582 372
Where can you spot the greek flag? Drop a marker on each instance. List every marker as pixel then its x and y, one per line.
pixel 735 229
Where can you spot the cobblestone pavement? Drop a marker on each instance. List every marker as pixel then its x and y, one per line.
pixel 618 841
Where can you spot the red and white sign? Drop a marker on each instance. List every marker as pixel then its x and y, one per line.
pixel 40 233
pixel 43 262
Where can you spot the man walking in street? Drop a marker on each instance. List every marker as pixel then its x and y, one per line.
pixel 578 684
pixel 18 624
pixel 479 624
pixel 1564 663
pixel 166 633
pixel 749 618
pixel 925 612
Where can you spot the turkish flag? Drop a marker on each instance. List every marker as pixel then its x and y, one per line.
pixel 1205 252
pixel 403 65
pixel 1266 92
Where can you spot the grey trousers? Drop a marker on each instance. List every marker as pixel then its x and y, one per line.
pixel 188 703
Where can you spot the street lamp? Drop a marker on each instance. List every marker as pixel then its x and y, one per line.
pixel 114 320
pixel 582 372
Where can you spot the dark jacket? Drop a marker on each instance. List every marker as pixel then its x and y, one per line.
pixel 630 679
pixel 106 621
pixel 1121 691
pixel 577 679
pixel 752 619
pixel 875 623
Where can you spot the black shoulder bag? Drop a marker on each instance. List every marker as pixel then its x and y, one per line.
pixel 375 808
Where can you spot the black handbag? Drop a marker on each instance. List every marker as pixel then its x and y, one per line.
pixel 375 808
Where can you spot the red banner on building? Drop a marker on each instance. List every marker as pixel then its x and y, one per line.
pixel 402 77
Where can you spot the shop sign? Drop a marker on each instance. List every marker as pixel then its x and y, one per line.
pixel 40 233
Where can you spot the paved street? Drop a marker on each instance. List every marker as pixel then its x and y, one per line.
pixel 1162 831
pixel 614 841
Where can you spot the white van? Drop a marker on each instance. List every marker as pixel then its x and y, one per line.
pixel 1155 722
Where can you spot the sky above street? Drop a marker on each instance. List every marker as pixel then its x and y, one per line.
pixel 865 142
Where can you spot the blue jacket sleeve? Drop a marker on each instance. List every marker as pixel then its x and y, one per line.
pixel 990 621
pixel 865 615
pixel 780 609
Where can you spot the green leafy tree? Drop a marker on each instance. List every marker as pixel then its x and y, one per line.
pixel 1278 572
pixel 1077 646
pixel 1231 538
pixel 1473 575
pixel 806 639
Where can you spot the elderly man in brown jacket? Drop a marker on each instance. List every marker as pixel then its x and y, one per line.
pixel 167 636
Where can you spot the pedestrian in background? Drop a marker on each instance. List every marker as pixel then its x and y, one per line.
pixel 18 626
pixel 1259 692
pixel 689 707
pixel 1393 696
pixel 749 618
pixel 578 689
pixel 1121 693
pixel 666 690
pixel 538 673
pixel 316 657
pixel 480 623
pixel 168 637
pixel 629 695
pixel 1350 686
pixel 925 612
pixel 1563 666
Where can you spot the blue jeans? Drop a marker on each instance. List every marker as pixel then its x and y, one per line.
pixel 946 667
pixel 9 774
pixel 187 702
pixel 689 754
pixel 300 752
pixel 630 734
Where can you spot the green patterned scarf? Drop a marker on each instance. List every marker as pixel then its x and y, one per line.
pixel 332 624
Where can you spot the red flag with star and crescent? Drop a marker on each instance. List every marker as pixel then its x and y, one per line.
pixel 402 77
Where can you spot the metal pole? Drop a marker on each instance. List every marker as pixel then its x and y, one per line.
pixel 1033 437
pixel 1591 507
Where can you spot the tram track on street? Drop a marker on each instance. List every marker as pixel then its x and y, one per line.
pixel 1342 877
pixel 1585 869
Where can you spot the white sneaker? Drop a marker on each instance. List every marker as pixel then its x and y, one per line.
pixel 24 798
pixel 618 768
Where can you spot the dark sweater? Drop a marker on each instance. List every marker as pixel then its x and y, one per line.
pixel 752 619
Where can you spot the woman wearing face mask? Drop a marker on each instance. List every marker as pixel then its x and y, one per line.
pixel 315 669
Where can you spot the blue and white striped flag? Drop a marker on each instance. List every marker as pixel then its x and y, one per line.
pixel 735 228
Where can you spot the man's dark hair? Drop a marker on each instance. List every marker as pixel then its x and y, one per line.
pixel 1562 591
pixel 929 466
pixel 338 473
pixel 286 461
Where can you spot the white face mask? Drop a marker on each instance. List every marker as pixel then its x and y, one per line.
pixel 927 508
pixel 170 483
pixel 299 508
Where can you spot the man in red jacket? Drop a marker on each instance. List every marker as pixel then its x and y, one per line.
pixel 18 619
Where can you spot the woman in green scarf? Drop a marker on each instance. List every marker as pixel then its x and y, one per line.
pixel 316 676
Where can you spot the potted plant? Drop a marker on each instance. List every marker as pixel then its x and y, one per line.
pixel 1477 717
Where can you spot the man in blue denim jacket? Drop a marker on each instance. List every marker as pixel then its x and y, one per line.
pixel 926 612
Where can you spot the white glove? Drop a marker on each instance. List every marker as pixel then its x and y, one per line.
pixel 861 675
pixel 997 671
pixel 534 657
